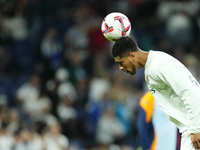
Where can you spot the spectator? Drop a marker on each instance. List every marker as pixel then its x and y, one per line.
pixel 25 141
pixel 7 140
pixel 65 87
pixel 51 49
pixel 109 128
pixel 55 140
pixel 27 94
pixel 15 122
pixel 40 107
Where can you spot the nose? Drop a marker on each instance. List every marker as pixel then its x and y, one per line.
pixel 121 68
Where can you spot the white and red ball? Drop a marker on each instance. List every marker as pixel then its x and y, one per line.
pixel 115 25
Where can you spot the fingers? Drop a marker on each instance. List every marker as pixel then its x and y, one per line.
pixel 195 138
pixel 196 144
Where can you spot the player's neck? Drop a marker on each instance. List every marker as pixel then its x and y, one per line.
pixel 142 58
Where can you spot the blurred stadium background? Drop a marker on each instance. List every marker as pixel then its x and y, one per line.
pixel 59 86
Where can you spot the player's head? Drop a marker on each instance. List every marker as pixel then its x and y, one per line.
pixel 123 46
pixel 123 52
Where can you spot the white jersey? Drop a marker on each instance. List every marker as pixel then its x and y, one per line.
pixel 175 90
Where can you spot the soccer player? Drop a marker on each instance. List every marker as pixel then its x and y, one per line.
pixel 174 88
pixel 155 130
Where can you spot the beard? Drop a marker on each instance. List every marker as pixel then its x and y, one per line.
pixel 133 71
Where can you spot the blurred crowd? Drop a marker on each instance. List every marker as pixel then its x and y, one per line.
pixel 60 88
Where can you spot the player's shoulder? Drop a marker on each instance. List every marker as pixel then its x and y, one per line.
pixel 155 59
pixel 160 59
pixel 157 62
pixel 159 54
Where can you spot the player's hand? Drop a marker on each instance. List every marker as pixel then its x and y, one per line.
pixel 196 140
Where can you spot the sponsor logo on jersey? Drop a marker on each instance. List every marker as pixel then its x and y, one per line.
pixel 152 91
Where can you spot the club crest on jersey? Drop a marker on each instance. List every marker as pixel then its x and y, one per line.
pixel 147 80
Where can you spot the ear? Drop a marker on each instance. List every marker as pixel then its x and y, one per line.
pixel 132 54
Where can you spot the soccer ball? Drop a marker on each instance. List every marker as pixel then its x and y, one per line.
pixel 115 25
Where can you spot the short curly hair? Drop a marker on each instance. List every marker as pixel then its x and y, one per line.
pixel 123 46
